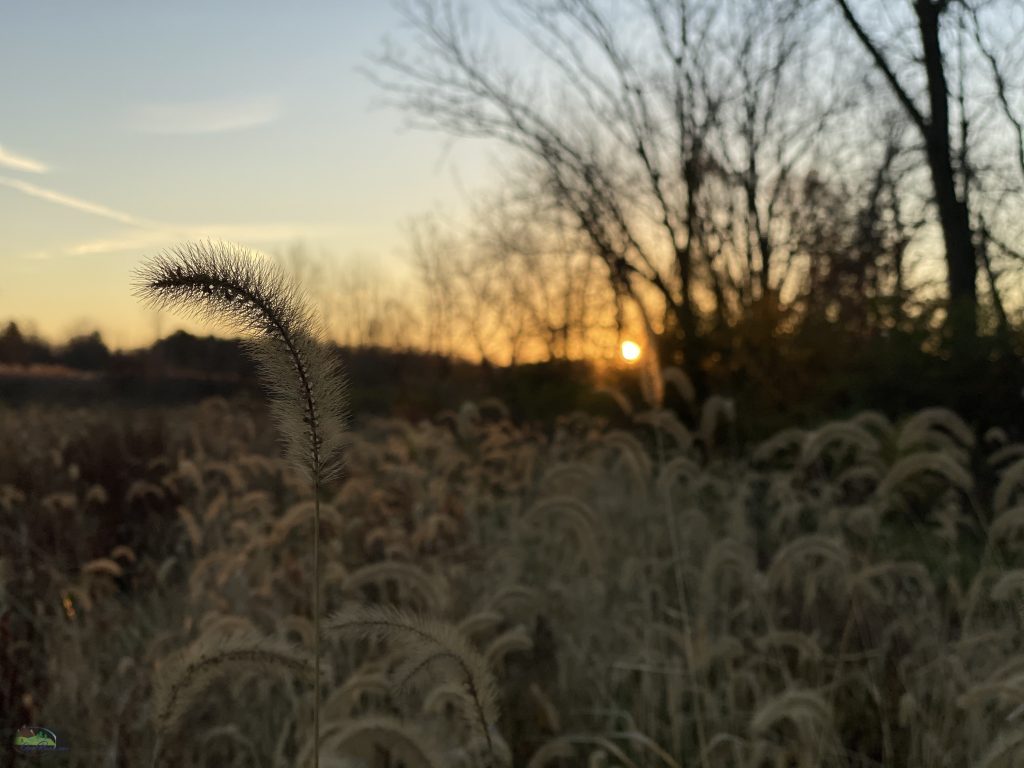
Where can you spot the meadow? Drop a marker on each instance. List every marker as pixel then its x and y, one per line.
pixel 647 594
pixel 674 420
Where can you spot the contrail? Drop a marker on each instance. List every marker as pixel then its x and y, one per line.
pixel 20 163
pixel 79 205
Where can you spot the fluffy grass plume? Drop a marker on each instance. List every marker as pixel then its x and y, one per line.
pixel 185 678
pixel 427 643
pixel 229 285
pixel 303 376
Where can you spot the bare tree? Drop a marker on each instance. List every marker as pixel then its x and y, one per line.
pixel 782 107
pixel 631 122
pixel 360 305
pixel 514 285
pixel 556 293
pixel 938 93
pixel 465 310
pixel 853 233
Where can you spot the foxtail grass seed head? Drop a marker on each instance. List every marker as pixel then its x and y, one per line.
pixel 251 295
pixel 302 374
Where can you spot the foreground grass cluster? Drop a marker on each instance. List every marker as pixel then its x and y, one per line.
pixel 645 595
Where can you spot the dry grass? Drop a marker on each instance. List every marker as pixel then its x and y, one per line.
pixel 848 602
pixel 846 597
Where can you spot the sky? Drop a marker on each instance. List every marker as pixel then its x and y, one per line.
pixel 128 127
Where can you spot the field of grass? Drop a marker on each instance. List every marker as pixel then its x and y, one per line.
pixel 657 595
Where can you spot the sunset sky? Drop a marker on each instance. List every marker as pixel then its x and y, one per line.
pixel 126 127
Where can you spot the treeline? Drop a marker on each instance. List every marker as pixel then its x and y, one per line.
pixel 813 203
pixel 180 354
pixel 87 352
pixel 811 372
pixel 183 367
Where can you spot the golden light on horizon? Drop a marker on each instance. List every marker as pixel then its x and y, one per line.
pixel 630 351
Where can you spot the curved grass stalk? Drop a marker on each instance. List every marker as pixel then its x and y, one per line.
pixel 307 388
pixel 426 643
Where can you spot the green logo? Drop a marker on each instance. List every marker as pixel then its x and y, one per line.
pixel 32 739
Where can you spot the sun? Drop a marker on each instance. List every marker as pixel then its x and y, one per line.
pixel 630 351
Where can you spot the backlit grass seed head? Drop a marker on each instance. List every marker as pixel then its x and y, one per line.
pixel 807 710
pixel 932 420
pixel 779 448
pixel 227 284
pixel 427 646
pixel 845 433
pixel 935 462
pixel 1010 483
pixel 186 677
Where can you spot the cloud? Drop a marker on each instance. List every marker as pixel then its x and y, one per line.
pixel 165 237
pixel 59 198
pixel 133 242
pixel 148 234
pixel 20 163
pixel 203 117
pixel 260 233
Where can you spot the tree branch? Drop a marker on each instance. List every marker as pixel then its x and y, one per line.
pixel 883 65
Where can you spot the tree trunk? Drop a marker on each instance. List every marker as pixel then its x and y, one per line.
pixel 693 344
pixel 961 262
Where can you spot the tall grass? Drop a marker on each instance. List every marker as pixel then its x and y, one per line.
pixel 655 594
pixel 302 375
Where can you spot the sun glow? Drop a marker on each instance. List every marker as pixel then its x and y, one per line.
pixel 630 351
